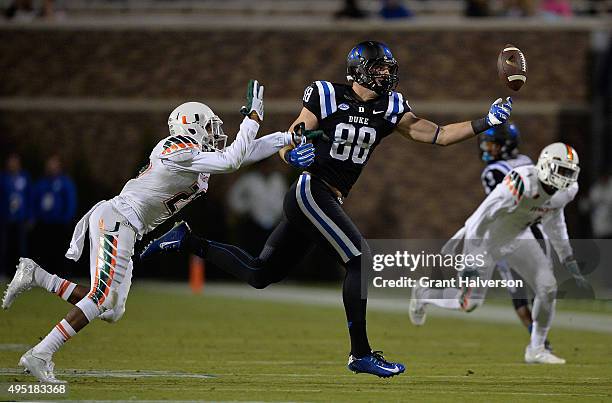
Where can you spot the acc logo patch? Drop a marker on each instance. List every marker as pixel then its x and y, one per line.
pixel 343 107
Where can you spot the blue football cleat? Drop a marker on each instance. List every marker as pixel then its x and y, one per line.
pixel 172 240
pixel 375 364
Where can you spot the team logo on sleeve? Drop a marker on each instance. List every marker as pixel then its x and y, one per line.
pixel 516 185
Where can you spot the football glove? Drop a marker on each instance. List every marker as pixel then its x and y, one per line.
pixel 301 135
pixel 301 156
pixel 254 100
pixel 571 265
pixel 499 112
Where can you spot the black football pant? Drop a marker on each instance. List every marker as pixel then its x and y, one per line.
pixel 312 214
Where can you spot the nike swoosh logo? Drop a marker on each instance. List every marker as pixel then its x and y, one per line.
pixel 164 244
pixel 377 112
pixel 393 370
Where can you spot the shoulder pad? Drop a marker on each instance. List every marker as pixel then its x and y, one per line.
pixel 327 97
pixel 396 106
pixel 178 148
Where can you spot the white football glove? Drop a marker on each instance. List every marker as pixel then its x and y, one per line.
pixel 254 101
pixel 499 112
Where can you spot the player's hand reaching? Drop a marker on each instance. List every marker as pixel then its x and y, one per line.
pixel 301 156
pixel 254 107
pixel 302 135
pixel 499 112
pixel 571 265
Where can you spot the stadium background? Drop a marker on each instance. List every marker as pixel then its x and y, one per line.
pixel 96 87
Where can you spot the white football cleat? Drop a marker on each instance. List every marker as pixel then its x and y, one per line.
pixel 416 310
pixel 23 280
pixel 541 355
pixel 40 368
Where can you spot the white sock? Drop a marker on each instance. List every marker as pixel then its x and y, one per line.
pixel 447 298
pixel 52 283
pixel 538 336
pixel 56 338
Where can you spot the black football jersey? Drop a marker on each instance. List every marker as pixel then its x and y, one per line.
pixel 354 128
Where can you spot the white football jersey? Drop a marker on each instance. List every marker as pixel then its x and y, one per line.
pixel 515 204
pixel 179 170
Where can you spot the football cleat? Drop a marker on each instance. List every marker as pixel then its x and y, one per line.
pixel 375 364
pixel 541 355
pixel 40 368
pixel 172 240
pixel 23 280
pixel 416 310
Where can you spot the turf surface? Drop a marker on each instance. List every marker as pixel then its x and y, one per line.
pixel 274 351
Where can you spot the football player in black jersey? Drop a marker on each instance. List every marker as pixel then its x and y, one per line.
pixel 498 148
pixel 354 119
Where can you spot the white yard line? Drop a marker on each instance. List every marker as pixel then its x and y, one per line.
pixel 102 373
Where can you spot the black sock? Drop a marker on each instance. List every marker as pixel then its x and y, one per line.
pixel 355 309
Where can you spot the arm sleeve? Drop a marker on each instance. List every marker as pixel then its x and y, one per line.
pixel 229 160
pixel 266 146
pixel 556 229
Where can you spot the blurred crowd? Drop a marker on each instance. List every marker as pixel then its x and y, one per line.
pixel 36 215
pixel 550 9
pixel 28 10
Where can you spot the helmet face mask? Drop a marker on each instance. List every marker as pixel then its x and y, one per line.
pixel 215 140
pixel 558 166
pixel 199 121
pixel 372 65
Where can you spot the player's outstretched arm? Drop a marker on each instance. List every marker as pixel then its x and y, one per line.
pixel 265 146
pixel 425 131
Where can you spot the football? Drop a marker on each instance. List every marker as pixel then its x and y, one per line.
pixel 512 67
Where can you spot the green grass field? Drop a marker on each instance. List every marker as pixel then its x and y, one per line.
pixel 259 350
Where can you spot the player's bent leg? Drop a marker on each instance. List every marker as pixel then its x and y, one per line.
pixel 29 275
pixel 284 248
pixel 112 244
pixel 311 204
pixel 533 265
